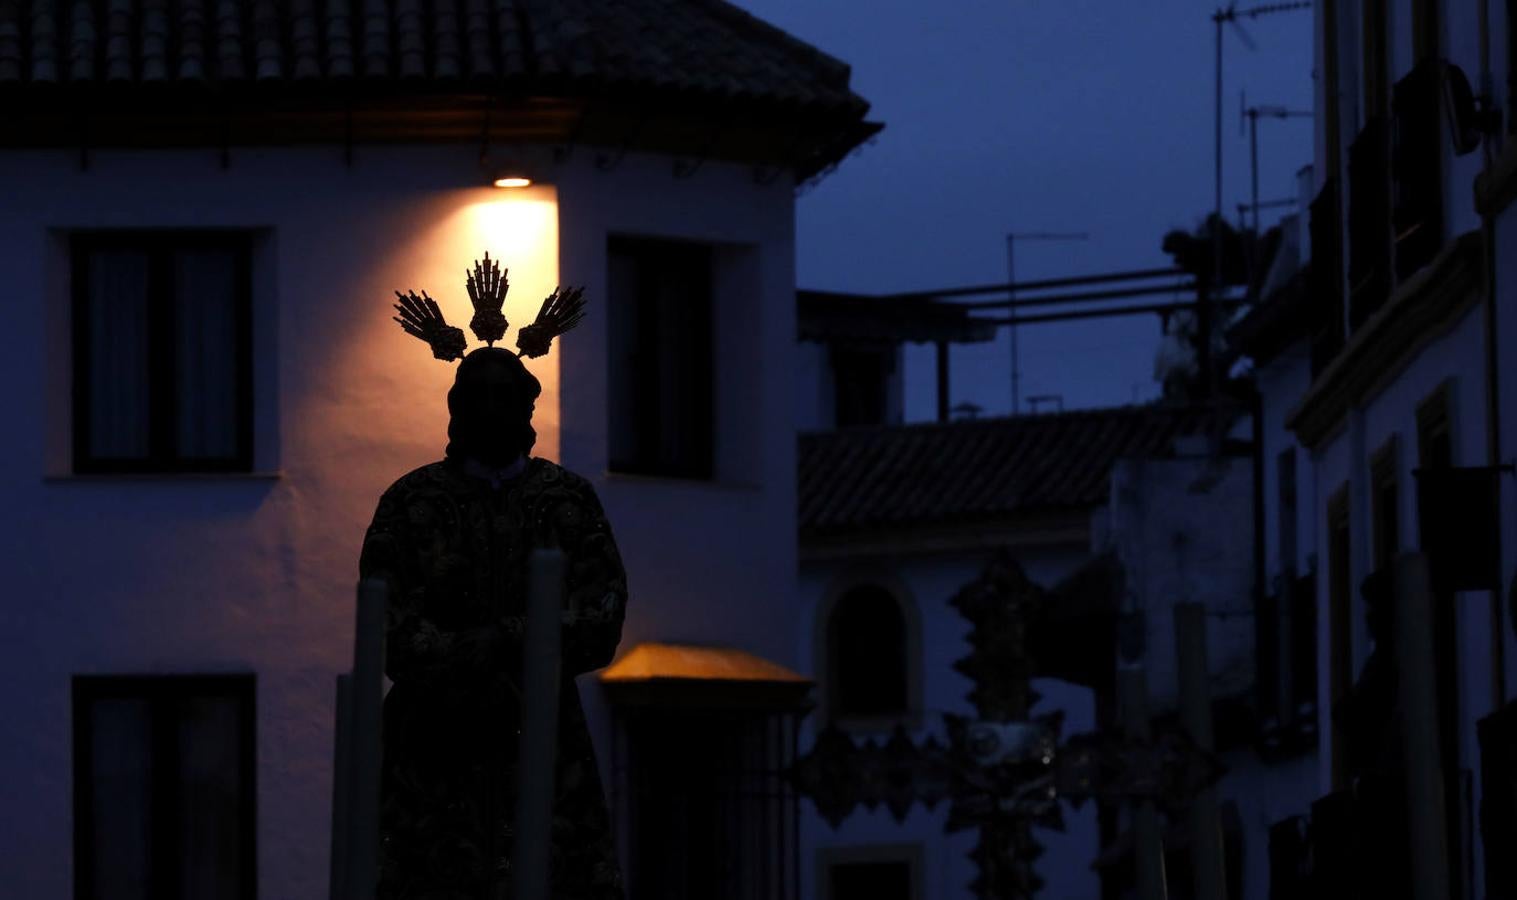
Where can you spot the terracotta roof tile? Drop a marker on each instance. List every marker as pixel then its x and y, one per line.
pixel 704 48
pixel 862 479
pixel 671 76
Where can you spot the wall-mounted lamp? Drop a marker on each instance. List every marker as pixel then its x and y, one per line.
pixel 511 177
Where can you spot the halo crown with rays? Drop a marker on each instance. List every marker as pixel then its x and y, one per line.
pixel 421 317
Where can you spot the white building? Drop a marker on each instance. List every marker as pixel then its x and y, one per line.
pixel 207 210
pixel 1099 508
pixel 1386 362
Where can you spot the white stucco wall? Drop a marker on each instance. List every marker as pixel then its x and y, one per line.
pixel 930 581
pixel 159 575
pixel 1455 358
pixel 1183 529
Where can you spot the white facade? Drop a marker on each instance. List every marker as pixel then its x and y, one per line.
pixel 924 583
pixel 1357 419
pixel 255 572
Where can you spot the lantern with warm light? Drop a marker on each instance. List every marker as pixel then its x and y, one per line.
pixel 511 178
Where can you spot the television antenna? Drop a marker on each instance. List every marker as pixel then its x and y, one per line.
pixel 1230 15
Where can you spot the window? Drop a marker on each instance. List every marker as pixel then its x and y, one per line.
pixel 867 653
pixel 1286 638
pixel 660 373
pixel 162 352
pixel 861 384
pixel 163 787
pixel 1340 622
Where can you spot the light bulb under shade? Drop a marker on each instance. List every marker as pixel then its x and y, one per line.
pixel 512 181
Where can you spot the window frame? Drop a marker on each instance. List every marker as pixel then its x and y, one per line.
pixel 159 691
pixel 911 716
pixel 159 245
pixel 699 394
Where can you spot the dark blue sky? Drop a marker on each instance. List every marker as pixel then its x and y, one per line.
pixel 1037 115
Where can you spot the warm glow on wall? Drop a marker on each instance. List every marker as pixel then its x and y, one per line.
pixel 520 228
pixel 383 384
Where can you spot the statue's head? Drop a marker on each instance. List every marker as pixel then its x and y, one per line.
pixel 490 408
pixel 493 393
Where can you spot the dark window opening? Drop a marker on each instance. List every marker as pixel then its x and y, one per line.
pixel 861 382
pixel 866 644
pixel 164 787
pixel 162 352
pixel 1286 639
pixel 884 880
pixel 660 373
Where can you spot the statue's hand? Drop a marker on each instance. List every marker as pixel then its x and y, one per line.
pixel 487 286
pixel 421 318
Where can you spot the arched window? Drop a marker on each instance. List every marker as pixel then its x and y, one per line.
pixel 867 653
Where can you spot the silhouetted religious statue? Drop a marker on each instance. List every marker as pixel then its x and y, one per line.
pixel 452 540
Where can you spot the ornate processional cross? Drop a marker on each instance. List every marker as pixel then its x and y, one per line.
pixel 1002 771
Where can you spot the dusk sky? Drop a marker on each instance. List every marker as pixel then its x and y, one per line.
pixel 1037 115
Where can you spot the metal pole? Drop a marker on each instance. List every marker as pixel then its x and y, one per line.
pixel 1081 297
pixel 1011 289
pixel 536 760
pixel 1102 278
pixel 1219 17
pixel 1207 860
pixel 1253 163
pixel 1011 301
pixel 942 381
